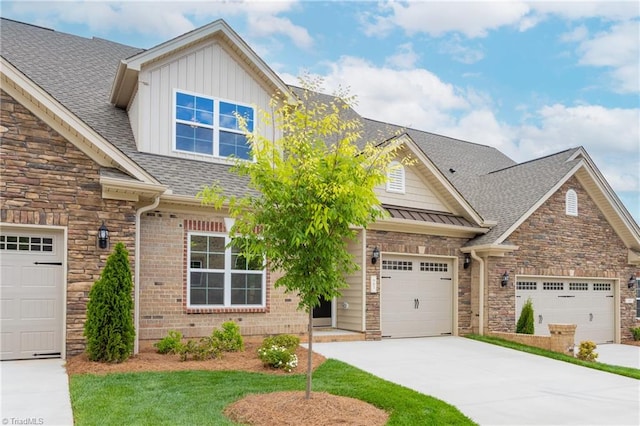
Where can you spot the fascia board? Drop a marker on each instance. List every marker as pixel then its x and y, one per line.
pixel 130 186
pixel 495 250
pixel 419 227
pixel 54 114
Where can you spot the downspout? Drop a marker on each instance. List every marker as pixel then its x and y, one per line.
pixel 136 282
pixel 481 293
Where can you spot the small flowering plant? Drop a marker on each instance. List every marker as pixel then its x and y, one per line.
pixel 278 357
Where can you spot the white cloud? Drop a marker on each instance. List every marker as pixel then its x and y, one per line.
pixel 266 25
pixel 412 98
pixel 461 52
pixel 574 10
pixel 471 18
pixel 162 20
pixel 405 57
pixel 618 49
pixel 610 136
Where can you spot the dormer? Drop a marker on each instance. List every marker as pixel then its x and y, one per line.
pixel 183 96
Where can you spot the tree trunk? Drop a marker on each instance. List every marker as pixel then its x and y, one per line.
pixel 309 357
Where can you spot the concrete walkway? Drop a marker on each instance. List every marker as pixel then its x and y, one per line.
pixel 498 386
pixel 35 392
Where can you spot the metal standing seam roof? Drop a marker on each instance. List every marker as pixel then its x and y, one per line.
pixel 79 72
pixel 427 216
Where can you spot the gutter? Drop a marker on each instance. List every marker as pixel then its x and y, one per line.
pixel 136 291
pixel 481 293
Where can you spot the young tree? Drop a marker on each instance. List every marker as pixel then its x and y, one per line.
pixel 109 327
pixel 526 322
pixel 314 184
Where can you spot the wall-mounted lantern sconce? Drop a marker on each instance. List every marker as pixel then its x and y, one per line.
pixel 375 255
pixel 632 281
pixel 103 236
pixel 467 261
pixel 505 279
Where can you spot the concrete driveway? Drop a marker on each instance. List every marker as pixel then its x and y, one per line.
pixel 498 386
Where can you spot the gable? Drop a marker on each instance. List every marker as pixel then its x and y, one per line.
pixel 208 69
pixel 585 237
pixel 589 185
pixel 414 192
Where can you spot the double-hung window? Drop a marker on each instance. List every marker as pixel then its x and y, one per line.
pixel 219 276
pixel 209 126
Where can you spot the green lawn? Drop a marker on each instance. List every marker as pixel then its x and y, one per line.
pixel 634 373
pixel 199 397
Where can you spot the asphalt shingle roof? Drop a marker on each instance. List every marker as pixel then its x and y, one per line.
pixel 79 72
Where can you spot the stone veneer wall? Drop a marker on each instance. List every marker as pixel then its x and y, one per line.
pixel 561 338
pixel 163 291
pixel 397 242
pixel 48 181
pixel 553 243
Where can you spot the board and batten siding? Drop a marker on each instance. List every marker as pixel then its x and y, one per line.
pixel 206 69
pixel 351 318
pixel 417 194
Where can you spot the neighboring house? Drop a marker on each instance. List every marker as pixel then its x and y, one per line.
pixel 94 132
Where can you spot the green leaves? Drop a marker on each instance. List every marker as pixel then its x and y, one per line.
pixel 109 326
pixel 315 185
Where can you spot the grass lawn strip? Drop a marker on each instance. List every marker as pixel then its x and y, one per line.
pixel 634 373
pixel 199 397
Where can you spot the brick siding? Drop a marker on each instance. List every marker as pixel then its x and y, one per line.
pixel 48 181
pixel 163 271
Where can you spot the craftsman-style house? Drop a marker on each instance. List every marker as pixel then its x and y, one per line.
pixel 98 136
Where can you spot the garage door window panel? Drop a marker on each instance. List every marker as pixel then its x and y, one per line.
pixel 26 243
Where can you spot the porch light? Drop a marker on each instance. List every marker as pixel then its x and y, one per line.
pixel 632 281
pixel 375 255
pixel 467 261
pixel 103 236
pixel 505 279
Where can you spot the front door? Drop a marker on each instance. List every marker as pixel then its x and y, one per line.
pixel 322 314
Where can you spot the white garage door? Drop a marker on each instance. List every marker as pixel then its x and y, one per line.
pixel 416 296
pixel 31 293
pixel 589 303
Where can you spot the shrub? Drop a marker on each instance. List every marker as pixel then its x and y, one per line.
pixel 586 352
pixel 286 340
pixel 278 357
pixel 636 333
pixel 109 326
pixel 169 344
pixel 525 322
pixel 229 338
pixel 205 348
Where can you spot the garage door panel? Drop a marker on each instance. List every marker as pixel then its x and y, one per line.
pixel 416 296
pixel 31 294
pixel 588 303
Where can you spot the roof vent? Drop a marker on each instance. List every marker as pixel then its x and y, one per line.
pixel 452 170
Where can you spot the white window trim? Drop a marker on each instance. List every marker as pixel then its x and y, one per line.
pixel 396 178
pixel 216 123
pixel 571 203
pixel 227 276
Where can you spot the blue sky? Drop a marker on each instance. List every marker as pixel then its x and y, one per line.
pixel 530 78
